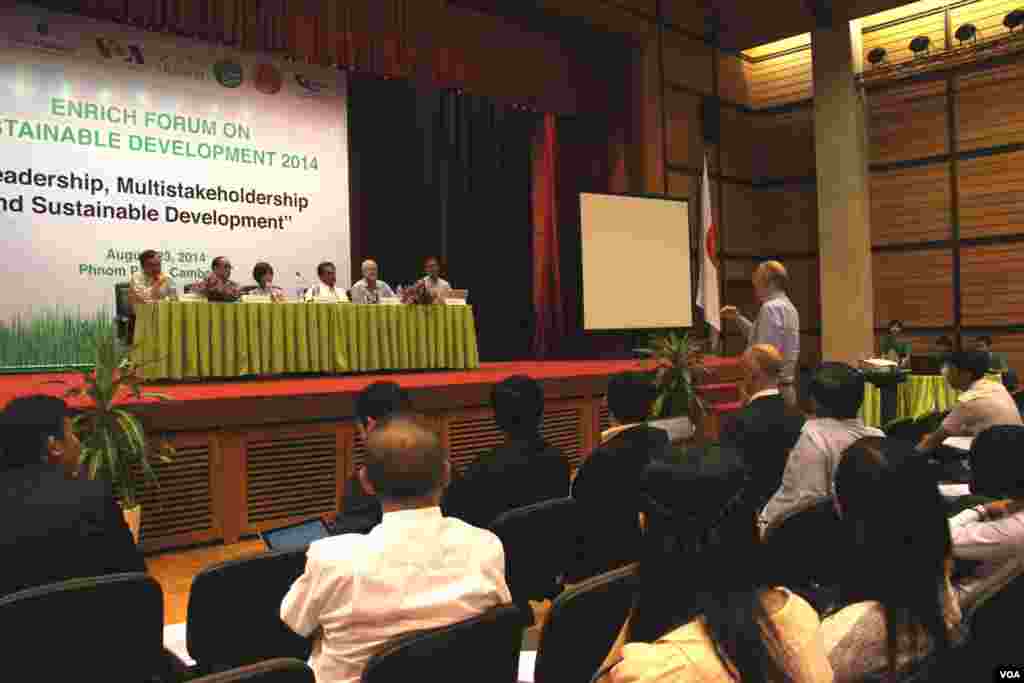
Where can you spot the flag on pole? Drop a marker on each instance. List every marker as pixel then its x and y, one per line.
pixel 707 284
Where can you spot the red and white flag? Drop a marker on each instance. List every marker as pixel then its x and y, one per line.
pixel 707 285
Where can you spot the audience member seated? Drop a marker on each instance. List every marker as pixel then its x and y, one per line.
pixel 994 531
pixel 607 483
pixel 983 403
pixel 943 346
pixel 57 528
pixel 522 471
pixel 837 391
pixel 218 285
pixel 415 570
pixel 996 361
pixel 764 430
pixel 375 404
pixel 706 610
pixel 903 605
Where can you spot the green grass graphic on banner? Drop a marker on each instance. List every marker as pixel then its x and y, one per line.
pixel 50 338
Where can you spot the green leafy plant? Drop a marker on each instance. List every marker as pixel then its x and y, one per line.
pixel 114 444
pixel 678 360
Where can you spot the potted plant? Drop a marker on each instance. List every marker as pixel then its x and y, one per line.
pixel 113 441
pixel 677 359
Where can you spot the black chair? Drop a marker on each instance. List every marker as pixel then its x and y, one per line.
pixel 124 314
pixel 104 628
pixel 234 612
pixel 994 640
pixel 582 626
pixel 483 648
pixel 808 550
pixel 271 671
pixel 540 546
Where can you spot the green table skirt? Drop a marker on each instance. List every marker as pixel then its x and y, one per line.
pixel 179 340
pixel 919 395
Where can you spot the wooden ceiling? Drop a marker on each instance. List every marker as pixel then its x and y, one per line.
pixel 742 23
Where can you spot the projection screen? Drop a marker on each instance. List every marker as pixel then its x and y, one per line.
pixel 636 262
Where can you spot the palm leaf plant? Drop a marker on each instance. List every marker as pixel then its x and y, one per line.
pixel 114 443
pixel 678 360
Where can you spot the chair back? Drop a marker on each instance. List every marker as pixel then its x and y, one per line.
pixel 282 670
pixel 993 637
pixel 582 626
pixel 808 550
pixel 122 304
pixel 104 628
pixel 234 612
pixel 551 525
pixel 483 648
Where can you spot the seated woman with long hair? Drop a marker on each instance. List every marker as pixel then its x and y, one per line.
pixel 901 605
pixel 706 610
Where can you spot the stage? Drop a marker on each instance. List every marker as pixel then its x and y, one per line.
pixel 258 453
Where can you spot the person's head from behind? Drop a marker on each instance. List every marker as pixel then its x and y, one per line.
pixel 432 267
pixel 222 267
pixel 964 368
pixel 518 404
pixel 701 526
pixel 944 344
pixel 893 507
pixel 33 428
pixel 327 273
pixel 997 469
pixel 769 278
pixel 151 262
pixel 837 390
pixel 379 402
pixel 762 364
pixel 895 328
pixel 631 396
pixel 983 344
pixel 263 274
pixel 405 466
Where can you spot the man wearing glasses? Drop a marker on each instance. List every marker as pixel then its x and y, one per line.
pixel 218 285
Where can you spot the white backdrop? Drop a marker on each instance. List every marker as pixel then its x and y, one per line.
pixel 91 103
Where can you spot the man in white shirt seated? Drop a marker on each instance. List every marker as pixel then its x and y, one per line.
pixel 984 403
pixel 415 570
pixel 809 477
pixel 152 284
pixel 370 290
pixel 325 289
pixel 436 285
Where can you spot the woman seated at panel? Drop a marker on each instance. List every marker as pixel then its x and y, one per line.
pixel 706 610
pixel 901 604
pixel 263 274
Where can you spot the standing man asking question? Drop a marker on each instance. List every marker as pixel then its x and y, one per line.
pixel 777 323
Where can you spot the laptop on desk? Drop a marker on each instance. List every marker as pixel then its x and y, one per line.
pixel 295 536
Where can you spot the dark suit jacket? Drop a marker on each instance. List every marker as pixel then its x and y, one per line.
pixel 764 432
pixel 56 529
pixel 607 487
pixel 520 472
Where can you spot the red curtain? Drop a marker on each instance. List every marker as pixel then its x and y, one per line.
pixel 549 313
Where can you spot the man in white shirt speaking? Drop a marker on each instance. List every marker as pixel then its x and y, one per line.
pixel 325 289
pixel 415 570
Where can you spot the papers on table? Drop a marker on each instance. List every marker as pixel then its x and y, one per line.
pixel 960 443
pixel 954 490
pixel 879 363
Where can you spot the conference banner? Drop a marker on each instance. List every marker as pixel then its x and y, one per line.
pixel 114 141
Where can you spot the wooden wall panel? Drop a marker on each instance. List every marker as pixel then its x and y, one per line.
pixel 910 205
pixel 915 287
pixel 737 143
pixel 785 144
pixel 896 38
pixel 908 123
pixel 992 195
pixel 688 63
pixel 687 186
pixel 781 80
pixel 810 350
pixel 805 290
pixel 992 288
pixel 990 107
pixel 682 112
pixel 986 15
pixel 733 82
pixel 689 16
pixel 770 220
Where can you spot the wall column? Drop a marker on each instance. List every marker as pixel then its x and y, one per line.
pixel 844 225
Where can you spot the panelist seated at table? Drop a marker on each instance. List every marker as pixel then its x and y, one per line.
pixel 997 361
pixel 438 287
pixel 943 346
pixel 263 274
pixel 218 285
pixel 152 284
pixel 370 290
pixel 983 403
pixel 893 347
pixel 326 289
